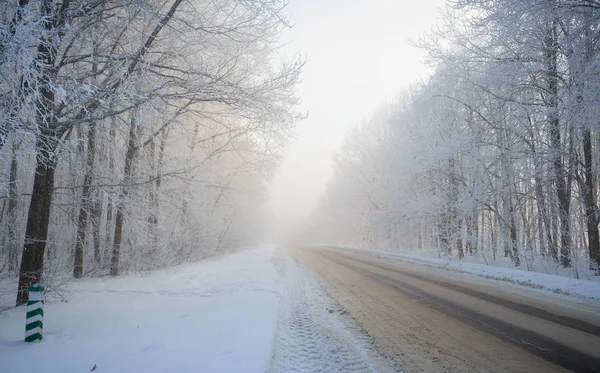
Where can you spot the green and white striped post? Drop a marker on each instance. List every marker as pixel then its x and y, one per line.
pixel 35 313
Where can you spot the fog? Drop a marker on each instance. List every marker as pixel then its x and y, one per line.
pixel 359 56
pixel 141 134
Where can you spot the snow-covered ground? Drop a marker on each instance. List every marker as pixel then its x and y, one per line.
pixel 254 311
pixel 558 283
pixel 214 316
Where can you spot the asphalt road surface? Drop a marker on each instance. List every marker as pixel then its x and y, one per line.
pixel 430 320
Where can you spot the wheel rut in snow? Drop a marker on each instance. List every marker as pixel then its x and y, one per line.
pixel 312 336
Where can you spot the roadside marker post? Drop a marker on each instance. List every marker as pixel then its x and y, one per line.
pixel 35 313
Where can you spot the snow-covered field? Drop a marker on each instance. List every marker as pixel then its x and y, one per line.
pixel 588 288
pixel 254 311
pixel 214 316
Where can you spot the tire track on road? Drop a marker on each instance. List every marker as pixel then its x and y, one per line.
pixel 429 333
pixel 527 340
pixel 570 322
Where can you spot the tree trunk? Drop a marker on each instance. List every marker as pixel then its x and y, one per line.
pixel 38 218
pixel 493 234
pixel 508 223
pixel 109 201
pixel 36 232
pixel 459 239
pixel 513 239
pixel 155 191
pixel 95 218
pixel 591 209
pixel 153 204
pixel 12 211
pixel 82 221
pixel 472 233
pixel 552 102
pixel 108 227
pixel 543 221
pixel 118 236
pixel 116 252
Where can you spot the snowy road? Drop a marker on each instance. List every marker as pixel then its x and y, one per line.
pixel 429 320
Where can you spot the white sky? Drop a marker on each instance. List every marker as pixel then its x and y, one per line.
pixel 359 56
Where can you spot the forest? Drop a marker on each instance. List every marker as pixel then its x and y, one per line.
pixel 496 155
pixel 136 134
pixel 340 186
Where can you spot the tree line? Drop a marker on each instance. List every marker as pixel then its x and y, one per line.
pixel 136 133
pixel 496 154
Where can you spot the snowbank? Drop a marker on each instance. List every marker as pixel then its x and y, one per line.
pixel 214 316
